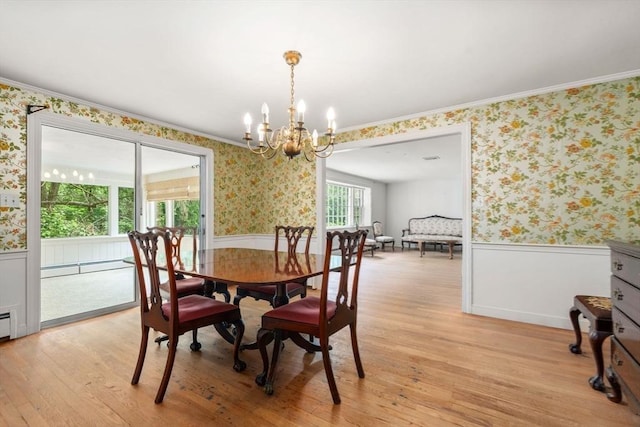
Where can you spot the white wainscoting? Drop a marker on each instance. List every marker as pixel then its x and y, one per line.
pixel 536 283
pixel 13 296
pixel 259 241
pixel 82 254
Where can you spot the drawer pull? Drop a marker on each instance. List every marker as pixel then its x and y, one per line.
pixel 617 265
pixel 616 359
pixel 617 294
pixel 619 328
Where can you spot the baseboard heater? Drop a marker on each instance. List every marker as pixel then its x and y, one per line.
pixel 5 326
pixel 80 268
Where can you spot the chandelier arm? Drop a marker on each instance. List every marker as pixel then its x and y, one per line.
pixel 259 150
pixel 323 154
pixel 270 156
pixel 324 148
pixel 307 157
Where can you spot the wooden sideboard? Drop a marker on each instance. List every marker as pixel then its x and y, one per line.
pixel 624 371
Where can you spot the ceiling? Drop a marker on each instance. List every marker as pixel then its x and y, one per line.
pixel 201 65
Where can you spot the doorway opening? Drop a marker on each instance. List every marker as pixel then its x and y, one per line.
pixel 456 134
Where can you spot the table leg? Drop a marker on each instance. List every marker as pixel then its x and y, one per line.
pixel 280 298
pixel 211 287
pixel 223 330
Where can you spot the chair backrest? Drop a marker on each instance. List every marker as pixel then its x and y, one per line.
pixel 293 235
pixel 349 246
pixel 377 229
pixel 176 234
pixel 148 252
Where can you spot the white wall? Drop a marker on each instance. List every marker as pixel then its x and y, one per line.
pixel 415 199
pixel 378 193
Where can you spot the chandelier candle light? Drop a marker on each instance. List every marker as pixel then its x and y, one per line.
pixel 293 138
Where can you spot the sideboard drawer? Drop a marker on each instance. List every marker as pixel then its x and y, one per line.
pixel 627 332
pixel 626 267
pixel 625 367
pixel 625 297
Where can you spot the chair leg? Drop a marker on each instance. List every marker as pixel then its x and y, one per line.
pixel 326 360
pixel 277 346
pixel 574 313
pixel 173 345
pixel 356 351
pixel 195 345
pixel 144 340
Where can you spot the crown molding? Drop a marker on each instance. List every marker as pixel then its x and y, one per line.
pixel 517 95
pixel 68 98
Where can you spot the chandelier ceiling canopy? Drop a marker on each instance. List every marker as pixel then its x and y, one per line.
pixel 292 138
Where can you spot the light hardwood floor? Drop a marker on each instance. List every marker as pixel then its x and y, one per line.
pixel 426 364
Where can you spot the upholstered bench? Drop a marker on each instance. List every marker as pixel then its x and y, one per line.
pixel 597 310
pixel 433 229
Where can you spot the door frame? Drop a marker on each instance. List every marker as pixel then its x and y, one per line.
pixel 464 131
pixel 35 122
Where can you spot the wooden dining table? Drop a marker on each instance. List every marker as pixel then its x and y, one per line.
pixel 255 267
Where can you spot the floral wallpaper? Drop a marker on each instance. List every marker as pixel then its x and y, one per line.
pixel 558 168
pixel 241 178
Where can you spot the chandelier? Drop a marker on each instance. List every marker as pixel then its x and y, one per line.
pixel 293 138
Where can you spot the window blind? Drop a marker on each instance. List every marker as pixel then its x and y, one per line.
pixel 173 189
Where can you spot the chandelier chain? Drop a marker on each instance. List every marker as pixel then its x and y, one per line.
pixel 291 107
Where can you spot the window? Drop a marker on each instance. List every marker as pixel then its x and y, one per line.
pixel 126 215
pixel 76 210
pixel 345 205
pixel 175 213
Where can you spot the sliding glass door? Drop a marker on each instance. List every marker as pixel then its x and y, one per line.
pixel 90 196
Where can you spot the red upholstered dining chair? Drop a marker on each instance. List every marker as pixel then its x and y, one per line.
pixel 185 285
pixel 319 317
pixel 177 315
pixel 268 292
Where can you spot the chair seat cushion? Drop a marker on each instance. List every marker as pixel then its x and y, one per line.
pixel 197 306
pixel 385 239
pixel 186 286
pixel 271 289
pixel 599 307
pixel 306 310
